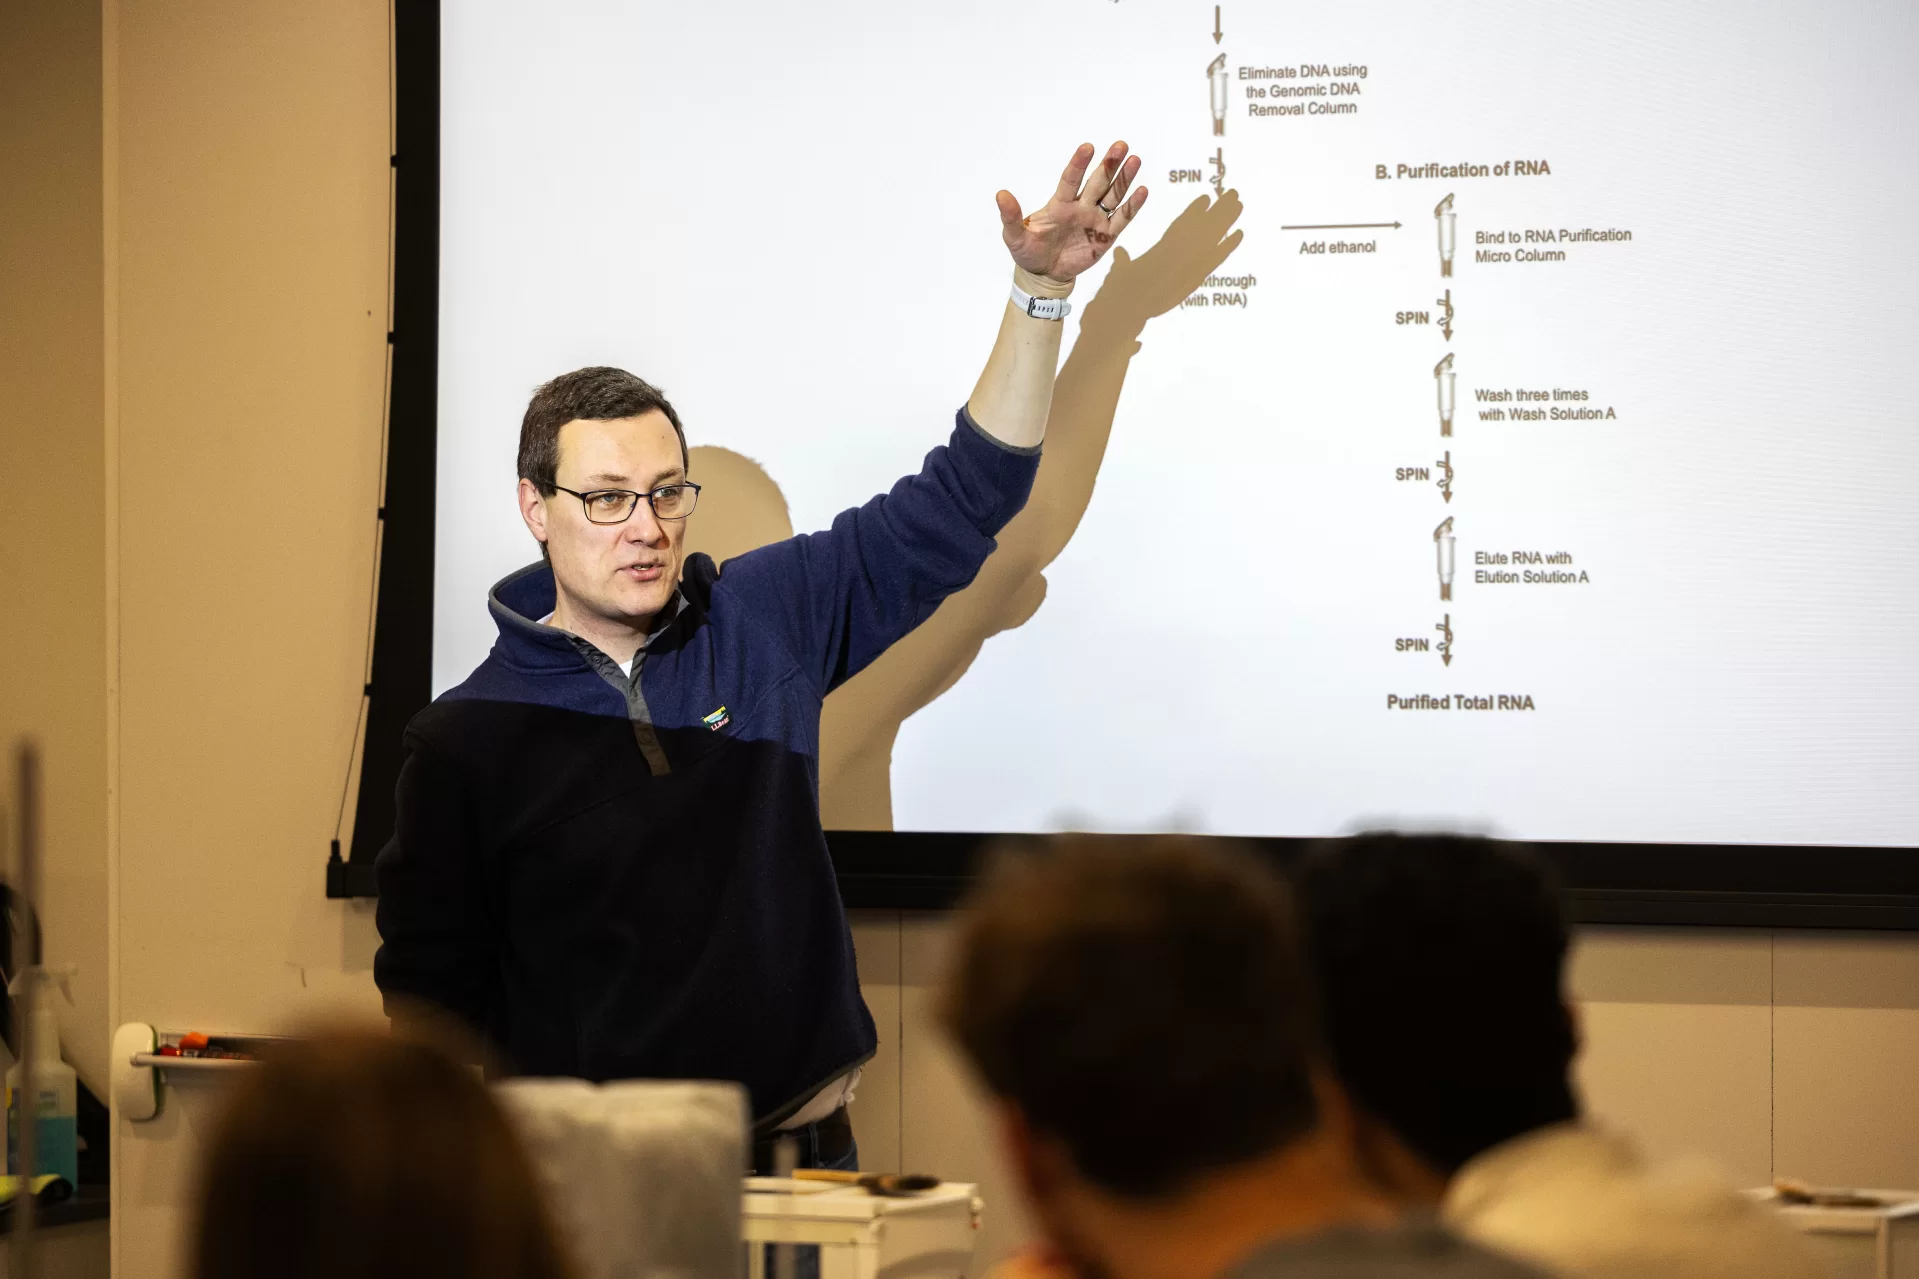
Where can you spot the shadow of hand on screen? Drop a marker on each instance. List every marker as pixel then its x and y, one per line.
pixel 862 718
pixel 742 508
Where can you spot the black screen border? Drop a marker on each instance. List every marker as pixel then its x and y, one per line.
pixel 1678 885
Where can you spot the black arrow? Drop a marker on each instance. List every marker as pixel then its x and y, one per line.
pixel 1341 226
pixel 1217 33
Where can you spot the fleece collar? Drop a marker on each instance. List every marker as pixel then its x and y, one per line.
pixel 524 595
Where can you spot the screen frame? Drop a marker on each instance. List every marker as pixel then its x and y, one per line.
pixel 1668 884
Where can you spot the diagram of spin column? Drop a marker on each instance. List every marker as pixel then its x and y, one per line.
pixel 1216 79
pixel 1443 214
pixel 1445 379
pixel 1216 102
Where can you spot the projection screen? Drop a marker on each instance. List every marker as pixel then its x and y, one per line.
pixel 1503 417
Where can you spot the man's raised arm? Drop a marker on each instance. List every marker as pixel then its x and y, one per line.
pixel 842 596
pixel 1050 248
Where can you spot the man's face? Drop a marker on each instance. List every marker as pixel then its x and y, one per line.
pixel 621 573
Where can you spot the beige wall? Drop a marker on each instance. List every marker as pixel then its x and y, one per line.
pixel 53 662
pixel 224 371
pixel 252 210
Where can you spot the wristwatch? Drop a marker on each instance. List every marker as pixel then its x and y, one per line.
pixel 1041 308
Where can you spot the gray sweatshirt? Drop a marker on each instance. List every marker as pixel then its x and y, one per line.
pixel 1415 1249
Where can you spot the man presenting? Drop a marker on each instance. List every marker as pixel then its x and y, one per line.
pixel 607 858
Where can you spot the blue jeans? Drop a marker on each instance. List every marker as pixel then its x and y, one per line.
pixel 806 1256
pixel 808 1141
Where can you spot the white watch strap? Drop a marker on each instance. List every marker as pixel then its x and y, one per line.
pixel 1041 308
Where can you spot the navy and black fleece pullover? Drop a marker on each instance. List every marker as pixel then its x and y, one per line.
pixel 613 879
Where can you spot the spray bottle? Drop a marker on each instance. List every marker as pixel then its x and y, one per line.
pixel 57 1111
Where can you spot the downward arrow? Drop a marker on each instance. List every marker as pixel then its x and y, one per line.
pixel 1217 33
pixel 1447 658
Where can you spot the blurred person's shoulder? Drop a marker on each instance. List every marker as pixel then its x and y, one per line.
pixel 1419 1248
pixel 1583 1201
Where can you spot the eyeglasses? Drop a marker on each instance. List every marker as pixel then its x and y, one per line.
pixel 616 506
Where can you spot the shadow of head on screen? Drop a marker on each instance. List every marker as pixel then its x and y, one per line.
pixel 742 508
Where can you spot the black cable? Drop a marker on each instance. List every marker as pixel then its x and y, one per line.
pixel 386 415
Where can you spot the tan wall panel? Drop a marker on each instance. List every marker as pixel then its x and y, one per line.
pixel 53 656
pixel 947 1128
pixel 1676 1027
pixel 1847 1040
pixel 252 211
pixel 876 1109
pixel 1671 966
pixel 253 219
pixel 1683 1079
pixel 1848 970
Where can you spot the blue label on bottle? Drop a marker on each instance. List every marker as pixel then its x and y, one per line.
pixel 57 1141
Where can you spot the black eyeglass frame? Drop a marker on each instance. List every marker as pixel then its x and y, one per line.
pixel 652 501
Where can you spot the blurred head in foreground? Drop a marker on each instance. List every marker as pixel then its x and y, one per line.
pixel 1440 963
pixel 357 1153
pixel 1141 1014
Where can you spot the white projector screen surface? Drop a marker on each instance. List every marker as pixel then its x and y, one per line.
pixel 1672 459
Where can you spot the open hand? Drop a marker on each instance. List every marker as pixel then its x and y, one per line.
pixel 1081 221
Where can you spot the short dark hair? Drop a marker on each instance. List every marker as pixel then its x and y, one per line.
pixel 1142 1001
pixel 1440 960
pixel 596 394
pixel 366 1154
